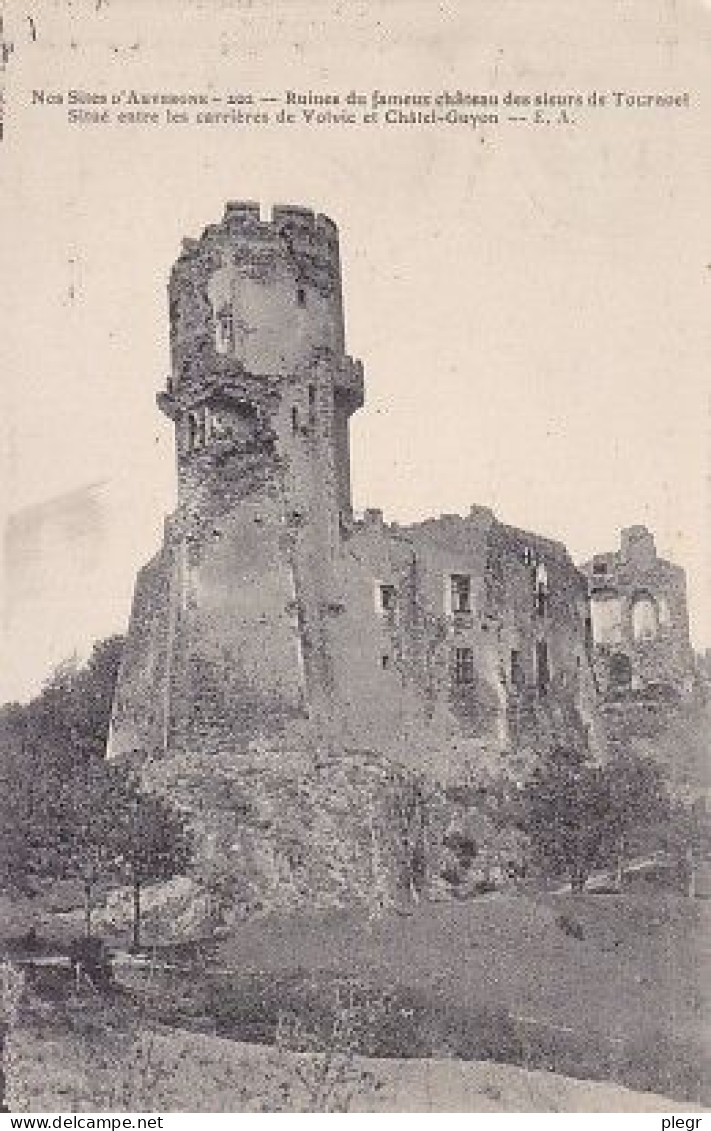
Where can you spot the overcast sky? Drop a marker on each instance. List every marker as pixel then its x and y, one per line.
pixel 531 304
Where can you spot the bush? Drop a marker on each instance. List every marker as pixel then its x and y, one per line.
pixel 90 955
pixel 572 927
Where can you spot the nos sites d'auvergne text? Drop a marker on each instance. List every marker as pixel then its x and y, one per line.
pixel 293 107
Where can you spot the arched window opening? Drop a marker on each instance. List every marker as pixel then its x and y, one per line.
pixel 645 622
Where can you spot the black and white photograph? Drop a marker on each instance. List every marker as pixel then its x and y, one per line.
pixel 355 585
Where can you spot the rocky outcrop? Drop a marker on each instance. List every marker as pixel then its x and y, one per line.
pixel 278 829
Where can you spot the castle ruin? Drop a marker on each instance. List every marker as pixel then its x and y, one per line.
pixel 272 614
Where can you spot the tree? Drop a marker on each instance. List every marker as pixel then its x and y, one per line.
pixel 59 796
pixel 76 700
pixel 15 793
pixel 65 811
pixel 407 820
pixel 89 839
pixel 686 836
pixel 564 809
pixel 579 815
pixel 639 804
pixel 155 845
pixel 34 771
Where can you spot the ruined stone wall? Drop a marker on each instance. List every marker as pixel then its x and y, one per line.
pixel 337 703
pixel 279 283
pixel 140 713
pixel 394 662
pixel 424 675
pixel 545 647
pixel 640 618
pixel 236 671
pixel 376 666
pixel 469 708
pixel 282 619
pixel 260 394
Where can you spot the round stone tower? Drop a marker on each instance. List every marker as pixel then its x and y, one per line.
pixel 231 620
pixel 256 325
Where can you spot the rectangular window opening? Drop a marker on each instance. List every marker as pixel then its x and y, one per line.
pixel 198 428
pixel 387 602
pixel 518 678
pixel 461 593
pixel 463 666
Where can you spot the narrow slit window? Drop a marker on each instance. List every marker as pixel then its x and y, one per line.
pixel 543 671
pixel 204 426
pixel 225 329
pixel 301 296
pixel 294 419
pixel 541 590
pixel 518 678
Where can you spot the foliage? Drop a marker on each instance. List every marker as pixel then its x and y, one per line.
pixel 67 812
pixel 565 813
pixel 12 986
pixel 77 699
pixel 686 837
pixel 325 1075
pixel 407 817
pixel 153 843
pixel 50 749
pixel 579 815
pixel 88 839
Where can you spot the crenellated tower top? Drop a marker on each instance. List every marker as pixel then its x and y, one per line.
pixel 265 294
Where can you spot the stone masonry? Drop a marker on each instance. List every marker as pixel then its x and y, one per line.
pixel 272 615
pixel 640 623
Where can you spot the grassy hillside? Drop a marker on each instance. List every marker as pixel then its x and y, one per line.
pixel 595 986
pixel 157 1069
